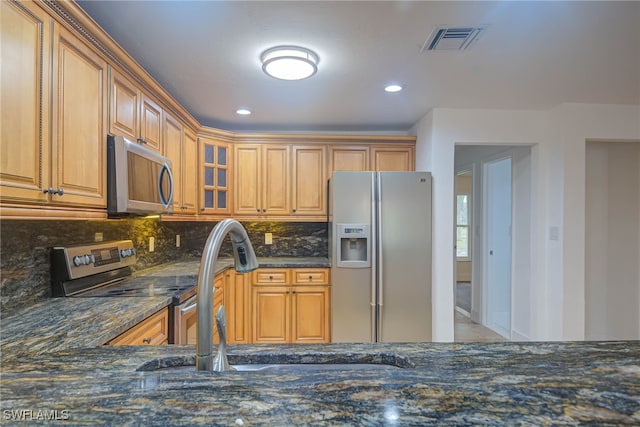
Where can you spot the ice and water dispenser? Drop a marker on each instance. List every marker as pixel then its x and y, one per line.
pixel 353 245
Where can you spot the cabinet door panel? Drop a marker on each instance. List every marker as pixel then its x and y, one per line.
pixel 189 172
pixel 173 146
pixel 124 107
pixel 310 314
pixel 393 159
pixel 350 158
pixel 24 93
pixel 238 303
pixel 309 181
pixel 271 319
pixel 247 179
pixel 276 180
pixel 151 124
pixel 79 127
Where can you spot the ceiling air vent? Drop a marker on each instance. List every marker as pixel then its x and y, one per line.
pixel 452 38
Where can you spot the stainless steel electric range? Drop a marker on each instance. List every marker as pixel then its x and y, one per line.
pixel 104 270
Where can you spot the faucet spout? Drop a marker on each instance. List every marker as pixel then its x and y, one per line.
pixel 244 260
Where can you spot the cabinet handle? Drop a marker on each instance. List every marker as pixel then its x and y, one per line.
pixel 258 210
pixel 202 209
pixel 311 278
pixel 50 190
pixel 293 292
pixel 264 210
pixel 141 141
pixel 270 277
pixel 147 340
pixel 294 210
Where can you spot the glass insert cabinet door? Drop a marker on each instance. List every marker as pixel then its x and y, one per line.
pixel 215 176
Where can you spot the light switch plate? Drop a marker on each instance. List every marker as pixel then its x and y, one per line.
pixel 268 238
pixel 98 237
pixel 152 244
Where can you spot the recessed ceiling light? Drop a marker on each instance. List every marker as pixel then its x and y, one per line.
pixel 243 111
pixel 393 88
pixel 289 62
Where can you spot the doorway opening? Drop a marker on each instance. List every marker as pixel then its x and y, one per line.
pixel 493 238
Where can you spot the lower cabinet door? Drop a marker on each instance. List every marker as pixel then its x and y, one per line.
pixel 153 330
pixel 310 314
pixel 271 314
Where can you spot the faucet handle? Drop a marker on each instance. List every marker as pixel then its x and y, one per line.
pixel 220 363
pixel 221 321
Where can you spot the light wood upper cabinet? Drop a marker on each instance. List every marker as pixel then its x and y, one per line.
pixel 124 106
pixel 25 144
pixel 392 158
pixel 189 172
pixel 173 150
pixel 151 124
pixel 79 122
pixel 275 173
pixel 309 183
pixel 214 170
pixel 348 158
pixel 261 179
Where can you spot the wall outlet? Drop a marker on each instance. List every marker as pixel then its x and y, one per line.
pixel 177 240
pixel 152 244
pixel 268 238
pixel 98 237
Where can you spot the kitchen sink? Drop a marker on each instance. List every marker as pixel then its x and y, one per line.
pixel 275 368
pixel 283 364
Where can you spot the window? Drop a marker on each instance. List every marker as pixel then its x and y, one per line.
pixel 463 224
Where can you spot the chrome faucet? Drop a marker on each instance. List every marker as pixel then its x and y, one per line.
pixel 244 260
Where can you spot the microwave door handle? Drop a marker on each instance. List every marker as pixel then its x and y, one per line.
pixel 165 201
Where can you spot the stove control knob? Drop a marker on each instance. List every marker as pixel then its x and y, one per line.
pixel 124 253
pixel 78 261
pixel 88 259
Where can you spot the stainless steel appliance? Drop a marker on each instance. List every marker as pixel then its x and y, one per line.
pixel 381 256
pixel 139 180
pixel 104 270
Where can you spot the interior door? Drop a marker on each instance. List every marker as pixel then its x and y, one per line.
pixel 498 246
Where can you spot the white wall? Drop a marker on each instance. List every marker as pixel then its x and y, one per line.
pixel 612 281
pixel 437 133
pixel 558 139
pixel 575 124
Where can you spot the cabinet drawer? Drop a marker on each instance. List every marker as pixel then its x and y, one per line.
pixel 271 276
pixel 153 330
pixel 311 276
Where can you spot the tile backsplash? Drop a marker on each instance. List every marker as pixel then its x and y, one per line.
pixel 25 247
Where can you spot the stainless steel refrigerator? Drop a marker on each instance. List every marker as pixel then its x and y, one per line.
pixel 381 256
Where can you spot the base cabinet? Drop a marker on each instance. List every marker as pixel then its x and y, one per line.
pixel 295 310
pixel 154 330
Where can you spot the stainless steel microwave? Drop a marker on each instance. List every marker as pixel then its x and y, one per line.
pixel 139 181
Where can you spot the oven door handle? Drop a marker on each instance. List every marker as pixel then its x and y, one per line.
pixel 189 307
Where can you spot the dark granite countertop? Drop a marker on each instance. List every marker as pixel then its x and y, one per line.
pixel 54 365
pixel 451 384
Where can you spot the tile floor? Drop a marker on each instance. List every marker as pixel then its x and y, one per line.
pixel 465 330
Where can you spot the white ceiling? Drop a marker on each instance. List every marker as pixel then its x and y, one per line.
pixel 533 55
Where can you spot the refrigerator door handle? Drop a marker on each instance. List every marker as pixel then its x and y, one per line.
pixel 374 262
pixel 378 251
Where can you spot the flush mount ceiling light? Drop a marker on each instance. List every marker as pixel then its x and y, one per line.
pixel 243 111
pixel 289 62
pixel 393 88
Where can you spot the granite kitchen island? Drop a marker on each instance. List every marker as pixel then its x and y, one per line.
pixel 455 384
